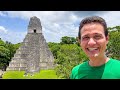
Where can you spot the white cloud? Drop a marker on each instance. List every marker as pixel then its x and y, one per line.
pixel 13 37
pixel 56 24
pixel 3 29
pixel 2 13
pixel 112 18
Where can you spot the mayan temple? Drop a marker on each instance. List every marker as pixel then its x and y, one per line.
pixel 34 53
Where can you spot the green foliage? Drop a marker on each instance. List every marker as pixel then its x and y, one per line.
pixel 114 44
pixel 43 74
pixel 54 47
pixel 68 40
pixel 68 56
pixel 4 56
pixel 10 46
pixel 7 51
pixel 2 43
pixel 16 46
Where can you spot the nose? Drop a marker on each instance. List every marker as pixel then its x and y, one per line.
pixel 91 42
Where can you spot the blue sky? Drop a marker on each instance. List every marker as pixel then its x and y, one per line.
pixel 55 24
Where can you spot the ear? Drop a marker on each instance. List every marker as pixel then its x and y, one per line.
pixel 79 41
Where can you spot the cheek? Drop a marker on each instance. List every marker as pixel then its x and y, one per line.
pixel 82 44
pixel 103 43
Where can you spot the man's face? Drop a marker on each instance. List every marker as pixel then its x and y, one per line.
pixel 93 40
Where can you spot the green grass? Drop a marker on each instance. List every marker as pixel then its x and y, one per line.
pixel 43 74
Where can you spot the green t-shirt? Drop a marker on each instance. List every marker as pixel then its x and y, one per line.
pixel 110 70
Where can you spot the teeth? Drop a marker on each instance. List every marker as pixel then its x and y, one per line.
pixel 92 49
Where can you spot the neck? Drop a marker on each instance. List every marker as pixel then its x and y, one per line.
pixel 98 61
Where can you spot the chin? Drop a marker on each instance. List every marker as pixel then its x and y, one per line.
pixel 93 55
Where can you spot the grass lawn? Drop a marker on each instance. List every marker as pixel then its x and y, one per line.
pixel 43 74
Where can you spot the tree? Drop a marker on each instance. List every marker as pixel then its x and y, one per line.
pixel 114 43
pixel 2 43
pixel 68 40
pixel 7 51
pixel 68 56
pixel 54 47
pixel 10 46
pixel 4 57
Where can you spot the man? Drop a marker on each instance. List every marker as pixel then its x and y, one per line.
pixel 93 38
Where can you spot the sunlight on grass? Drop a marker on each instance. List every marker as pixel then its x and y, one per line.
pixel 43 74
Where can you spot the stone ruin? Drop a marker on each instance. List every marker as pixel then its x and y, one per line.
pixel 34 53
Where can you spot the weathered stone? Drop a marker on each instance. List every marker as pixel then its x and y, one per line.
pixel 34 53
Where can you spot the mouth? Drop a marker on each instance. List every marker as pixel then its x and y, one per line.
pixel 93 51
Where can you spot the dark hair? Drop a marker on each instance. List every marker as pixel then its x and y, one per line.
pixel 93 19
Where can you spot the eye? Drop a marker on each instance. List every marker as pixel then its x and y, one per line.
pixel 97 36
pixel 85 38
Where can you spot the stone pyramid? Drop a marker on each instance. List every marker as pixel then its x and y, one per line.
pixel 34 53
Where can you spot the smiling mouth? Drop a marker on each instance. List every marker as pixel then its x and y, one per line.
pixel 92 49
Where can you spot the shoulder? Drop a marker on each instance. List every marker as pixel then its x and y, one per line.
pixel 79 66
pixel 115 61
pixel 75 69
pixel 115 67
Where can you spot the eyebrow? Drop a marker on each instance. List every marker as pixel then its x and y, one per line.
pixel 85 36
pixel 98 34
pixel 94 33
